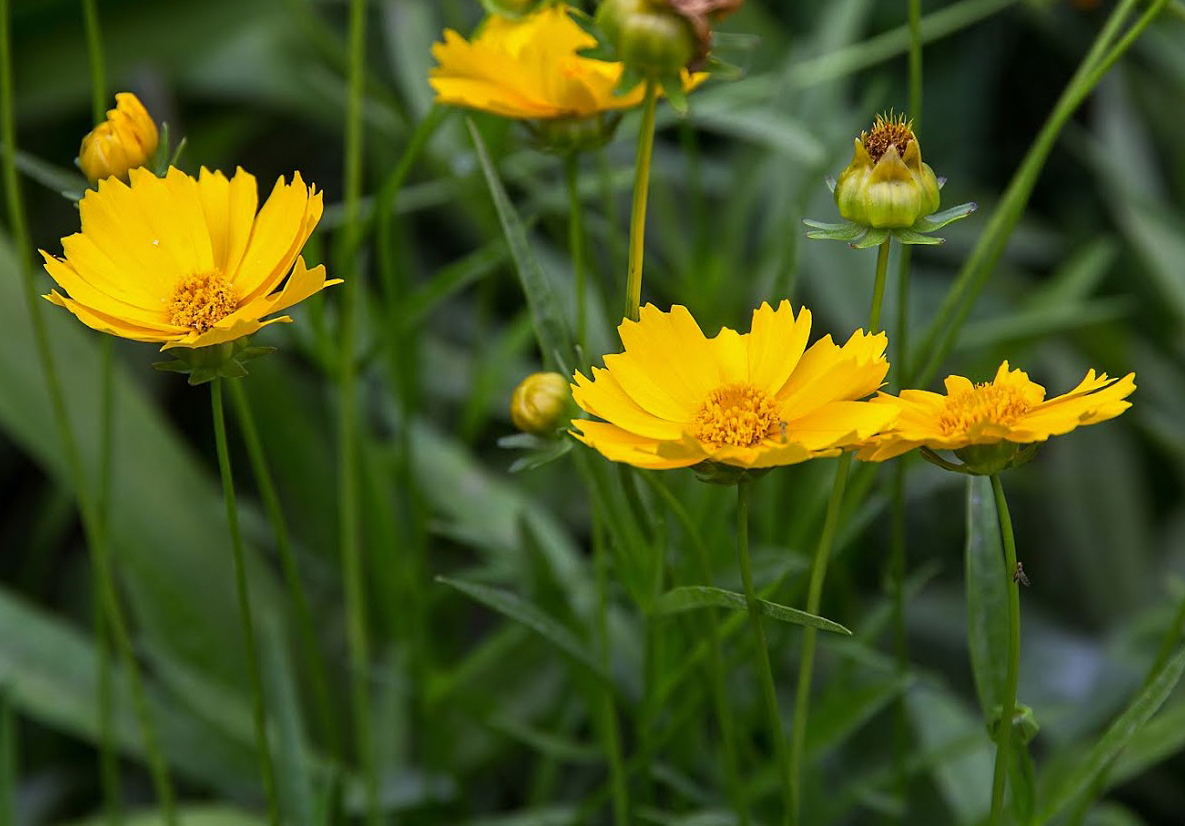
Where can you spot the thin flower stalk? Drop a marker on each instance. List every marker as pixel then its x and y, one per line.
pixel 633 287
pixel 576 248
pixel 258 706
pixel 91 522
pixel 1004 732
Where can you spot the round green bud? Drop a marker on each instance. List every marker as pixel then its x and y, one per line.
pixel 887 185
pixel 650 37
pixel 540 403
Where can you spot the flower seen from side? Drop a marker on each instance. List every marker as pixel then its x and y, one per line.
pixel 126 140
pixel 990 426
pixel 540 403
pixel 675 398
pixel 888 190
pixel 187 262
pixel 656 39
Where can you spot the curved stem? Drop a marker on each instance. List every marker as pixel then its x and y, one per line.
pixel 576 248
pixel 91 522
pixel 768 691
pixel 236 546
pixel 1004 737
pixel 633 286
pixel 275 513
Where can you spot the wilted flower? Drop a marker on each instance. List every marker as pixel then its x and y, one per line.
pixel 676 398
pixel 888 190
pixel 540 403
pixel 990 425
pixel 126 140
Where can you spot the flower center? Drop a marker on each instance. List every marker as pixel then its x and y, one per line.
pixel 891 130
pixel 983 404
pixel 201 301
pixel 738 415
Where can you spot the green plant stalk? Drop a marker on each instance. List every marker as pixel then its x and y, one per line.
pixel 91 521
pixel 958 302
pixel 576 248
pixel 8 758
pixel 350 539
pixel 724 715
pixel 802 696
pixel 1004 735
pixel 915 63
pixel 304 617
pixel 765 670
pixel 108 756
pixel 259 710
pixel 619 782
pixel 633 286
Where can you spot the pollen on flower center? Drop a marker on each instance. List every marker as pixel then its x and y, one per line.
pixel 200 301
pixel 891 130
pixel 983 404
pixel 738 415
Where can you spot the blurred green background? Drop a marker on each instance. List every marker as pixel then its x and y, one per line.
pixel 477 718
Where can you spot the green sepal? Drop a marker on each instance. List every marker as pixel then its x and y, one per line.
pixel 603 50
pixel 715 473
pixel 909 236
pixel 1024 723
pixel 541 450
pixel 734 46
pixel 630 79
pixel 204 364
pixel 672 87
pixel 940 219
pixel 846 231
pixel 873 238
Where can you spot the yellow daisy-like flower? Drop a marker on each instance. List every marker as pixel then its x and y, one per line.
pixel 675 398
pixel 185 262
pixel 1008 409
pixel 529 68
pixel 124 141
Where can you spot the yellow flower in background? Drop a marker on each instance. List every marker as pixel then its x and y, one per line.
pixel 185 262
pixel 1008 412
pixel 529 69
pixel 676 398
pixel 126 140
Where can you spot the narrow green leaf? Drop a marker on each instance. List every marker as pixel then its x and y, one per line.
pixel 1022 782
pixel 963 778
pixel 518 609
pixel 689 597
pixel 1114 739
pixel 987 597
pixel 288 742
pixel 555 341
pixel 8 757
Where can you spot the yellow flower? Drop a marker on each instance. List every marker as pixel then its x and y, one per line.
pixel 675 398
pixel 1009 411
pixel 184 262
pixel 528 68
pixel 124 141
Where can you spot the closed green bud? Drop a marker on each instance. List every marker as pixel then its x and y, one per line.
pixel 887 185
pixel 652 39
pixel 513 9
pixel 541 403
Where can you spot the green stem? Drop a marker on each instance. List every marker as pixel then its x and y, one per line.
pixel 1004 741
pixel 915 63
pixel 8 757
pixel 259 712
pixel 878 289
pixel 768 691
pixel 94 50
pixel 350 527
pixel 91 521
pixel 633 287
pixel 304 617
pixel 618 779
pixel 576 248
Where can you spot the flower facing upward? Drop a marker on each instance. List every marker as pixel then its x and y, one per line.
pixel 528 69
pixel 124 141
pixel 675 398
pixel 886 184
pixel 1009 411
pixel 185 262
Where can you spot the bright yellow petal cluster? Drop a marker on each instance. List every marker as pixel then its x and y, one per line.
pixel 675 398
pixel 123 142
pixel 185 262
pixel 528 68
pixel 1010 408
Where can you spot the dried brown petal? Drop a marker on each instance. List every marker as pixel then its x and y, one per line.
pixel 700 14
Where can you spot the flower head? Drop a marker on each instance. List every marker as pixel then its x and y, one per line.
pixel 675 398
pixel 657 39
pixel 126 140
pixel 185 262
pixel 987 424
pixel 888 190
pixel 540 402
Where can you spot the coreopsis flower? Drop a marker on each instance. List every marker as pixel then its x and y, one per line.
pixel 187 263
pixel 993 425
pixel 540 403
pixel 676 398
pixel 126 140
pixel 530 69
pixel 888 190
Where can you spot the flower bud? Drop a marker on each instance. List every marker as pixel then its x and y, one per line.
pixel 126 140
pixel 649 37
pixel 540 403
pixel 576 134
pixel 887 185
